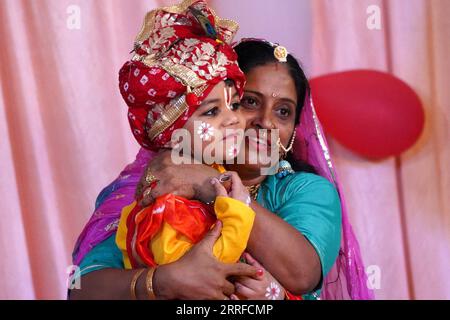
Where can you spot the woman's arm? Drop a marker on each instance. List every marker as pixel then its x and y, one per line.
pixel 297 269
pixel 108 284
pixel 177 280
pixel 284 251
pixel 191 181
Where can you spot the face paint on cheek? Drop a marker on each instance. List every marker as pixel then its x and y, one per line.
pixel 273 291
pixel 205 131
pixel 233 151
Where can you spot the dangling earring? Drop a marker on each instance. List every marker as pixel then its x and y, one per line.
pixel 284 150
pixel 284 167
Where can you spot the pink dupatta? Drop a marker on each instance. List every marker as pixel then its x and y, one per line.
pixel 347 279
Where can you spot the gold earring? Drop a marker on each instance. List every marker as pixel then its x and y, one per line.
pixel 284 150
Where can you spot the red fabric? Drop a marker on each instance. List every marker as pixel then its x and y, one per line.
pixel 191 219
pixel 147 226
pixel 131 225
pixel 290 296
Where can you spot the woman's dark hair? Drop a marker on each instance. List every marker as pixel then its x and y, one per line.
pixel 255 53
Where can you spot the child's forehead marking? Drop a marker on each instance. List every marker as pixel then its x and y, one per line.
pixel 227 96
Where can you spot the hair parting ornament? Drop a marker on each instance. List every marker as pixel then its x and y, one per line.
pixel 279 52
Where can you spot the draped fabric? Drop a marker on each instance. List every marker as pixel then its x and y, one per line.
pixel 64 132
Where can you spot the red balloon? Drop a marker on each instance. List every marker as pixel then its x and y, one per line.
pixel 372 113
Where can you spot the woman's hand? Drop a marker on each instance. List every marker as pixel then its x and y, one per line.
pixel 198 275
pixel 265 287
pixel 190 181
pixel 236 189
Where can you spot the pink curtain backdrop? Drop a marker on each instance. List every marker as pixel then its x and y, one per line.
pixel 64 134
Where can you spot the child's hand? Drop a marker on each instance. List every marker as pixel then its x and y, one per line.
pixel 237 190
pixel 265 287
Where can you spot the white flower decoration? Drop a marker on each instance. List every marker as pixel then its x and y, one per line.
pixel 232 151
pixel 273 291
pixel 205 131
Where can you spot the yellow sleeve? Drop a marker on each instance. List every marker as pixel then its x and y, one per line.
pixel 167 245
pixel 121 235
pixel 237 223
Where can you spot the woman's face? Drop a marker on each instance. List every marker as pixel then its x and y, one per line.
pixel 269 102
pixel 217 125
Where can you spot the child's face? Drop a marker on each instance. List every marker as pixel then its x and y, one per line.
pixel 217 125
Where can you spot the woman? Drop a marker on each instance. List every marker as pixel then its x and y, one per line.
pixel 274 97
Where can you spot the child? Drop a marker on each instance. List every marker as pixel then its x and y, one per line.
pixel 184 74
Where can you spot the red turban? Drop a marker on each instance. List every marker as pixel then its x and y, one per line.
pixel 181 53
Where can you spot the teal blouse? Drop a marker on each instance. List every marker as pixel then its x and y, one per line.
pixel 311 204
pixel 306 201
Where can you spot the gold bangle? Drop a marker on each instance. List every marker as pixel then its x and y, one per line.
pixel 133 283
pixel 149 284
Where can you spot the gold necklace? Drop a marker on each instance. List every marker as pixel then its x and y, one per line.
pixel 253 190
